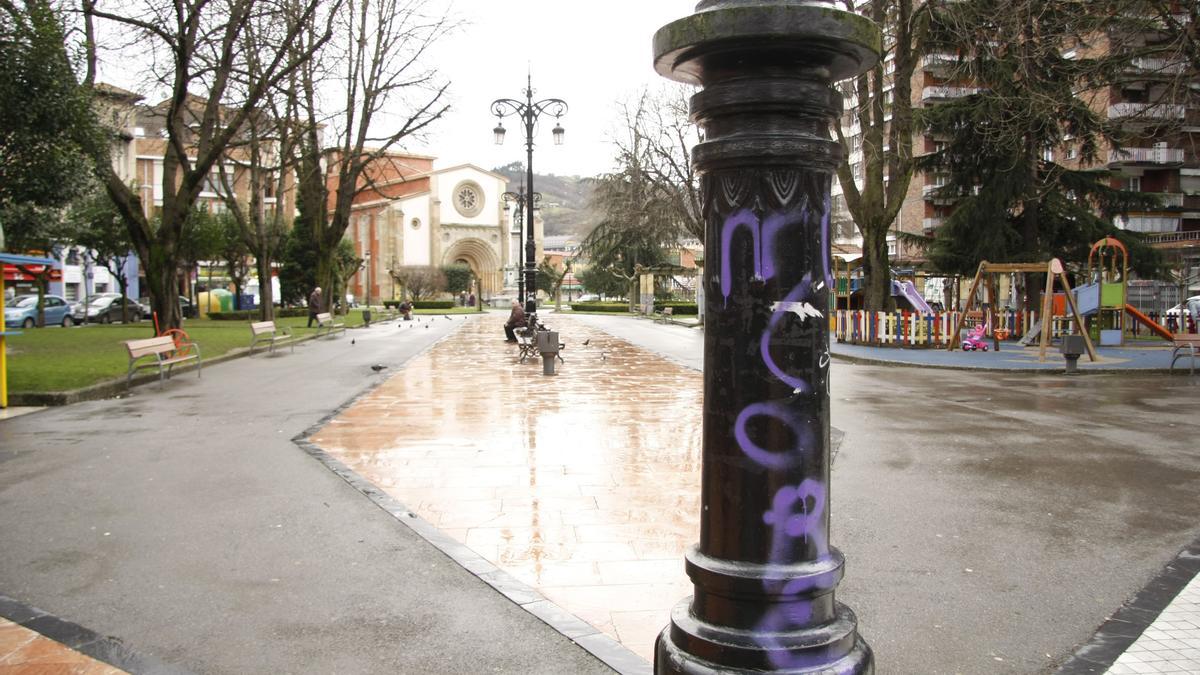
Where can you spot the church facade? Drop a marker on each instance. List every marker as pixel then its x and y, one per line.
pixel 414 215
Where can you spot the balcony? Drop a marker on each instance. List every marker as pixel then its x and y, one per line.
pixel 1169 200
pixel 1148 224
pixel 938 63
pixel 1146 156
pixel 946 93
pixel 1146 64
pixel 1155 111
pixel 929 225
pixel 1171 237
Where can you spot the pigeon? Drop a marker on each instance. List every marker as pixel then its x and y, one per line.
pixel 427 325
pixel 378 367
pixel 585 342
pixel 603 356
pixel 351 340
pixel 447 317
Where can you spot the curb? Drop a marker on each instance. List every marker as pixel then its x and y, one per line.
pixel 1127 624
pixel 105 649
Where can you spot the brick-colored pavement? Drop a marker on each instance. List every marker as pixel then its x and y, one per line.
pixel 584 486
pixel 25 652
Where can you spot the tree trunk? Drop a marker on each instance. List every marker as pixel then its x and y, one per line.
pixel 877 273
pixel 266 294
pixel 164 294
pixel 326 277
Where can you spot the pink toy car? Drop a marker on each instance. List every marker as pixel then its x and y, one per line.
pixel 976 340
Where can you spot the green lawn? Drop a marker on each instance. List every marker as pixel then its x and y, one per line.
pixel 61 359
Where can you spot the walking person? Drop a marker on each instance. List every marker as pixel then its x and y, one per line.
pixel 314 305
pixel 516 319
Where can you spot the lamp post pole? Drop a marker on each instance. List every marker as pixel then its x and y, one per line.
pixel 763 573
pixel 520 198
pixel 529 111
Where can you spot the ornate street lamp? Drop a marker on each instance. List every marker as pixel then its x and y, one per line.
pixel 764 572
pixel 520 198
pixel 529 111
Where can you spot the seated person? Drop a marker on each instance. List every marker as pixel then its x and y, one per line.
pixel 516 319
pixel 406 310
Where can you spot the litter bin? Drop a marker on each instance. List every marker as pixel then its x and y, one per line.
pixel 1072 348
pixel 367 317
pixel 547 345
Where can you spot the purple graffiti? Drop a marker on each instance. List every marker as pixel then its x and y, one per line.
pixel 783 459
pixel 798 513
pixel 763 235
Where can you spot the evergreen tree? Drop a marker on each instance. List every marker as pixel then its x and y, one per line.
pixel 298 273
pixel 1001 154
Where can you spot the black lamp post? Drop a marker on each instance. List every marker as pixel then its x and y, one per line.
pixel 520 198
pixel 529 111
pixel 764 573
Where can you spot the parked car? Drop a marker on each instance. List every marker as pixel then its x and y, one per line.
pixel 185 307
pixel 106 308
pixel 21 311
pixel 1182 307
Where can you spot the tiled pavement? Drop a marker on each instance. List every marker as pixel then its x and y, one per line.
pixel 585 491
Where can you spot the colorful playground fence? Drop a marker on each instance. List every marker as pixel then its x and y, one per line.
pixel 912 329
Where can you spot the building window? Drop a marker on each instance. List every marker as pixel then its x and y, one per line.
pixel 468 198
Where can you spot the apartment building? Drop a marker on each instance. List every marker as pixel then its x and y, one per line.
pixel 1158 103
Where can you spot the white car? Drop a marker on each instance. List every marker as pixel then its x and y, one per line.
pixel 1182 307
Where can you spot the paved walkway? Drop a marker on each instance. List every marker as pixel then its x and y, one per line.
pixel 990 522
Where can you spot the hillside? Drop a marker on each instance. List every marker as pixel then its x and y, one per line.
pixel 564 199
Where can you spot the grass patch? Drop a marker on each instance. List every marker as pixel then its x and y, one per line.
pixel 62 359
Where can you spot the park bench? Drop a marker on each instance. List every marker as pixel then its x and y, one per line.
pixel 265 331
pixel 166 354
pixel 326 323
pixel 527 340
pixel 666 316
pixel 1186 344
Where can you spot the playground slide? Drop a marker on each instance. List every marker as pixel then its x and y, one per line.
pixel 1158 330
pixel 909 292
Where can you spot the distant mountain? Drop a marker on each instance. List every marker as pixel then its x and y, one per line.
pixel 564 200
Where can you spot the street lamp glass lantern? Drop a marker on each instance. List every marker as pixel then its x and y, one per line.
pixel 499 131
pixel 559 133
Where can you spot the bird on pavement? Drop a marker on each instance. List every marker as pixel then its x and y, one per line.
pixel 447 317
pixel 427 325
pixel 585 342
pixel 351 340
pixel 378 367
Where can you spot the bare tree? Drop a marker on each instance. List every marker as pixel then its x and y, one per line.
pixel 658 140
pixel 875 198
pixel 375 66
pixel 206 110
pixel 420 282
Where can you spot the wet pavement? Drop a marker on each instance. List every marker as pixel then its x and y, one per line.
pixel 582 485
pixel 990 521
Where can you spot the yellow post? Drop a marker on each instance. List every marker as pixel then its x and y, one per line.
pixel 3 348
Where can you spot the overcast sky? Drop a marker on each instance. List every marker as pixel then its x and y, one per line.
pixel 591 54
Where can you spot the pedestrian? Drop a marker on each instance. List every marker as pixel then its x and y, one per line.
pixel 406 310
pixel 314 305
pixel 516 319
pixel 471 300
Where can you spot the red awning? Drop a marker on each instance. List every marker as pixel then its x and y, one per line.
pixel 15 273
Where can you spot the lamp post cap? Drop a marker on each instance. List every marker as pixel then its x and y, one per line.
pixel 842 42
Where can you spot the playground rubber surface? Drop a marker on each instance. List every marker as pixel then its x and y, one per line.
pixel 1012 356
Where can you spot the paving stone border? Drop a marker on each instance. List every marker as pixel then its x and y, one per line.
pixel 109 650
pixel 1127 624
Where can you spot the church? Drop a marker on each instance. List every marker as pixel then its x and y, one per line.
pixel 415 215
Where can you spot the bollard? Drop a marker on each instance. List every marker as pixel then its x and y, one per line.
pixel 764 573
pixel 1072 348
pixel 547 344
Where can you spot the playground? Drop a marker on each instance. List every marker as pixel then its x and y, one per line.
pixel 980 329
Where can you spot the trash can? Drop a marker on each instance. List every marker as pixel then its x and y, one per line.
pixel 366 317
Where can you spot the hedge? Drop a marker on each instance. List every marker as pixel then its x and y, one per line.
pixel 433 304
pixel 252 314
pixel 615 307
pixel 678 308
